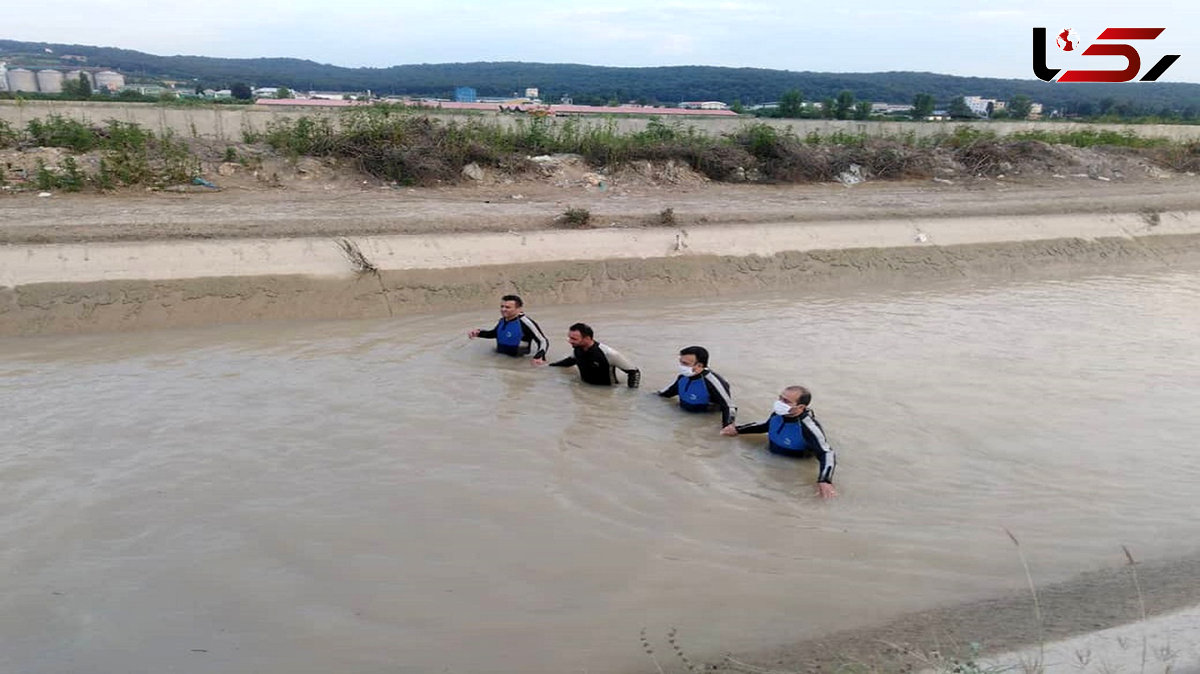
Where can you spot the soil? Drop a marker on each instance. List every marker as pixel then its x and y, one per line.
pixel 942 638
pixel 263 195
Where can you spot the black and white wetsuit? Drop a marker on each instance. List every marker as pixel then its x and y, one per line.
pixel 598 365
pixel 702 393
pixel 800 436
pixel 517 337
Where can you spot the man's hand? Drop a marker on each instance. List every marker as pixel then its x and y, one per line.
pixel 729 430
pixel 538 362
pixel 826 490
pixel 472 334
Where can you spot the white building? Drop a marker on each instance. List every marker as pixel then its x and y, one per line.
pixel 979 104
pixel 703 105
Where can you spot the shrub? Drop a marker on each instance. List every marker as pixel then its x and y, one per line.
pixel 8 137
pixel 58 131
pixel 577 217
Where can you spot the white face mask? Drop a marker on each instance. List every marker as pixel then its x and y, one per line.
pixel 781 408
pixel 685 370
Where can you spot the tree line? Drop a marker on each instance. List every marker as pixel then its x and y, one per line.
pixel 654 85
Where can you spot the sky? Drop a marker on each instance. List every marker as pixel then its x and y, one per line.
pixel 983 39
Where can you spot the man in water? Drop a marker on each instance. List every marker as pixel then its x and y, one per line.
pixel 699 388
pixel 792 430
pixel 597 363
pixel 516 333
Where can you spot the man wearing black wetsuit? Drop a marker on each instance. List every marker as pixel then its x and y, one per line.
pixel 792 430
pixel 597 363
pixel 516 333
pixel 699 388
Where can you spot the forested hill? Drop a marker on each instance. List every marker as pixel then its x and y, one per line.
pixel 598 84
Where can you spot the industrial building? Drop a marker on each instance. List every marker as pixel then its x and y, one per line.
pixel 22 79
pixel 107 79
pixel 50 80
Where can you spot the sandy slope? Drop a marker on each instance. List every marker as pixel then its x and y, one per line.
pixel 328 208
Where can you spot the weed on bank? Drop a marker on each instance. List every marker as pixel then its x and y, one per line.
pixel 406 146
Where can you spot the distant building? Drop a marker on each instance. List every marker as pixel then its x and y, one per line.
pixel 22 79
pixel 703 105
pixel 531 93
pixel 1035 111
pixel 267 92
pixel 75 75
pixel 890 108
pixel 329 95
pixel 50 81
pixel 465 95
pixel 107 79
pixel 979 104
pixel 150 89
pixel 3 76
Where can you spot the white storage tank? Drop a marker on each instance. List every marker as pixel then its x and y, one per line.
pixel 50 81
pixel 21 79
pixel 107 79
pixel 73 76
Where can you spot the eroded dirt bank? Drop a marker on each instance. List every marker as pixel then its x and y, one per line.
pixel 133 261
pixel 72 306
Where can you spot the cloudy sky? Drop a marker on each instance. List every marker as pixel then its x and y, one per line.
pixel 957 37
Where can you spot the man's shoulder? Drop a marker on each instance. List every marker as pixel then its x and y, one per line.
pixel 717 376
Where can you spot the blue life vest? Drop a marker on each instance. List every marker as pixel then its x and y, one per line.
pixel 509 333
pixel 693 394
pixel 787 436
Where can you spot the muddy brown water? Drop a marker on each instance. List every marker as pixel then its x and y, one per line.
pixel 383 496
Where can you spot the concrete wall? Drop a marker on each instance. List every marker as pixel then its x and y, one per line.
pixel 227 122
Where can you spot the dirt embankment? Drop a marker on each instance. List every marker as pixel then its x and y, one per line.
pixel 777 236
pixel 312 198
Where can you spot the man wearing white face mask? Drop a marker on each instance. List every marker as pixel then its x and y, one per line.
pixel 699 388
pixel 792 430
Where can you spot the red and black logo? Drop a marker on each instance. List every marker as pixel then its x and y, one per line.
pixel 1066 41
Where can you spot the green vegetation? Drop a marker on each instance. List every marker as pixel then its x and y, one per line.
pixel 406 146
pixel 57 131
pixel 1091 138
pixel 8 136
pixel 128 154
pixel 403 145
pixel 578 218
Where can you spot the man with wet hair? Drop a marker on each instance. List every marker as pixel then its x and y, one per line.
pixel 516 333
pixel 699 388
pixel 597 363
pixel 792 430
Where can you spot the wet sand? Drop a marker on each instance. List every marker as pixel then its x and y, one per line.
pixel 936 639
